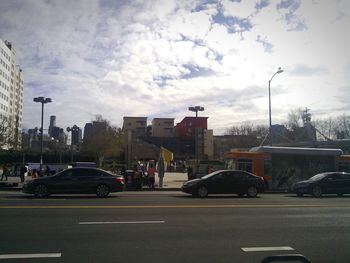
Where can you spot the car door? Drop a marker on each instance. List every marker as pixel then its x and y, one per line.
pixel 346 183
pixel 83 180
pixel 62 182
pixel 332 184
pixel 216 184
pixel 238 182
pixel 343 183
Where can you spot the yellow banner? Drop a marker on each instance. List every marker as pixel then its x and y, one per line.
pixel 167 155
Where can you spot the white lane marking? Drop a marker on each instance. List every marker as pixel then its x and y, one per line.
pixel 257 249
pixel 45 255
pixel 122 222
pixel 31 199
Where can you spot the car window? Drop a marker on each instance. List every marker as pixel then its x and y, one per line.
pixel 211 175
pixel 238 176
pixel 333 177
pixel 85 173
pixel 344 176
pixel 65 174
pixel 318 176
pixel 228 176
pixel 217 177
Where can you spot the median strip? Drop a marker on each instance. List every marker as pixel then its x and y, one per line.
pixel 122 222
pixel 27 256
pixel 261 249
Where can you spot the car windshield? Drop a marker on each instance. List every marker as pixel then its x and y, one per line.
pixel 211 175
pixel 318 176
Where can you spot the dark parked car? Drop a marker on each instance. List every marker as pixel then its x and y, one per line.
pixel 225 182
pixel 76 181
pixel 324 183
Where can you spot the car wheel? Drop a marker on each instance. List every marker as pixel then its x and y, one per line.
pixel 41 191
pixel 340 195
pixel 252 191
pixel 202 192
pixel 316 191
pixel 102 190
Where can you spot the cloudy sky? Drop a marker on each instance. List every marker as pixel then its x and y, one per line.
pixel 157 58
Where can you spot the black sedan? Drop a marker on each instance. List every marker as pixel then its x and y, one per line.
pixel 324 183
pixel 76 181
pixel 225 182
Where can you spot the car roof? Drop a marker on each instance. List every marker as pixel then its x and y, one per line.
pixel 226 170
pixel 330 173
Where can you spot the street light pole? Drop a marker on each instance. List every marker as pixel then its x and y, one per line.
pixel 196 109
pixel 41 136
pixel 270 122
pixel 69 129
pixel 42 100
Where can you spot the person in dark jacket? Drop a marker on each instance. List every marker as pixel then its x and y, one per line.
pixel 4 171
pixel 22 171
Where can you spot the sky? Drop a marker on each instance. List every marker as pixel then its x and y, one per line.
pixel 157 58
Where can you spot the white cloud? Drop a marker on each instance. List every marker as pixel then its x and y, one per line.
pixel 156 58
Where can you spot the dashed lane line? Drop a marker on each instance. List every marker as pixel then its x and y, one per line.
pixel 261 249
pixel 27 256
pixel 122 222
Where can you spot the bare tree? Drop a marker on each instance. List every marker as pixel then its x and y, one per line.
pixel 343 127
pixel 326 128
pixel 295 119
pixel 105 142
pixel 6 133
pixel 250 134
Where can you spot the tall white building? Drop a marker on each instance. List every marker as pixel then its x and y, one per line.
pixel 11 91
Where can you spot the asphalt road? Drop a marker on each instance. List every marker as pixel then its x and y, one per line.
pixel 172 227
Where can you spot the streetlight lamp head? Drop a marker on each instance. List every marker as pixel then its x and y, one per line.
pixel 47 100
pixel 199 108
pixel 280 70
pixel 38 99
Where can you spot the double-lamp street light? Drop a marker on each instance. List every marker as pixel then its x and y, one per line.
pixel 196 109
pixel 270 124
pixel 42 100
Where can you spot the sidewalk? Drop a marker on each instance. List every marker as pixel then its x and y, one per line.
pixel 171 182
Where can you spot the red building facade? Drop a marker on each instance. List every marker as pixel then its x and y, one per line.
pixel 187 127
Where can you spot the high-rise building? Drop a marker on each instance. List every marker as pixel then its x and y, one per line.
pixel 11 91
pixel 87 132
pixel 76 136
pixel 52 125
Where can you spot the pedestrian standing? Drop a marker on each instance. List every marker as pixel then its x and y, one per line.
pixel 23 170
pixel 47 171
pixel 4 171
pixel 34 174
pixel 161 170
pixel 210 169
pixel 137 178
pixel 151 171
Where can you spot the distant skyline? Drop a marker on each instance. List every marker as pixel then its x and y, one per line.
pixel 157 58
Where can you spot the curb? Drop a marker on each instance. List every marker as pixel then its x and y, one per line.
pixel 7 188
pixel 170 189
pixel 13 188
